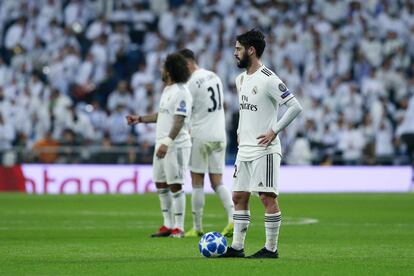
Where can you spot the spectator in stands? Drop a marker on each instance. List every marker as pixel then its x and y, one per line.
pixel 117 129
pixel 106 153
pixel 146 136
pixel 46 150
pixel 70 152
pixel 352 144
pixel 7 134
pixel 384 148
pixel 300 153
pixel 98 118
pixel 405 130
pixel 121 96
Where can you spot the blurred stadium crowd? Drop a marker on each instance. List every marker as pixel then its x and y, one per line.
pixel 71 70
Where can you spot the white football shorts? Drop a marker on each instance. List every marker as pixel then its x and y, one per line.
pixel 173 167
pixel 207 156
pixel 258 175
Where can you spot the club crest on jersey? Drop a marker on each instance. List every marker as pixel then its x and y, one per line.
pixel 254 91
pixel 182 107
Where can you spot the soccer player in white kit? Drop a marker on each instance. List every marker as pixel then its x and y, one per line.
pixel 208 145
pixel 173 144
pixel 261 92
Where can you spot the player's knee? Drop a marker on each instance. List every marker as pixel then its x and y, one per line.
pixel 215 180
pixel 268 200
pixel 197 185
pixel 236 198
pixel 214 186
pixel 240 199
pixel 175 187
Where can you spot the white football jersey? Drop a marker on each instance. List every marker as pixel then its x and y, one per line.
pixel 207 119
pixel 260 95
pixel 175 100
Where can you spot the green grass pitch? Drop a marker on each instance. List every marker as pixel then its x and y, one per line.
pixel 349 234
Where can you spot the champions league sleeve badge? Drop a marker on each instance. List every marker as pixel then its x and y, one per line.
pixel 182 107
pixel 282 87
pixel 284 90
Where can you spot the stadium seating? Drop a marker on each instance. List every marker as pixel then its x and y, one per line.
pixel 71 70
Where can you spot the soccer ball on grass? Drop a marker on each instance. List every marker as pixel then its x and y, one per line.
pixel 212 244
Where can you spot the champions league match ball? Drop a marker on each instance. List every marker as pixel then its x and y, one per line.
pixel 212 244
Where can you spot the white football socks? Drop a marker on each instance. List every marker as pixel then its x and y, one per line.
pixel 178 200
pixel 165 202
pixel 272 225
pixel 241 219
pixel 197 205
pixel 225 198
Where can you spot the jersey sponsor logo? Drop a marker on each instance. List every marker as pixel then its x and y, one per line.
pixel 248 106
pixel 182 107
pixel 284 95
pixel 282 87
pixel 245 105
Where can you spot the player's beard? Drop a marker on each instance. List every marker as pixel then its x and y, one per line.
pixel 244 62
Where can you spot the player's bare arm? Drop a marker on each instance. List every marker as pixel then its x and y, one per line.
pixel 294 109
pixel 136 119
pixel 177 125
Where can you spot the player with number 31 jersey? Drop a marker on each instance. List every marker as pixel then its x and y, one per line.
pixel 208 135
pixel 207 91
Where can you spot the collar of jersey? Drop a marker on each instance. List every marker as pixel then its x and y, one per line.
pixel 251 75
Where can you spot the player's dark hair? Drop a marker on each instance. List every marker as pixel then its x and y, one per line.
pixel 176 66
pixel 253 38
pixel 188 54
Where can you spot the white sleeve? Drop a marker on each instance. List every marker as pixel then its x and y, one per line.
pixel 183 104
pixel 277 90
pixel 293 110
